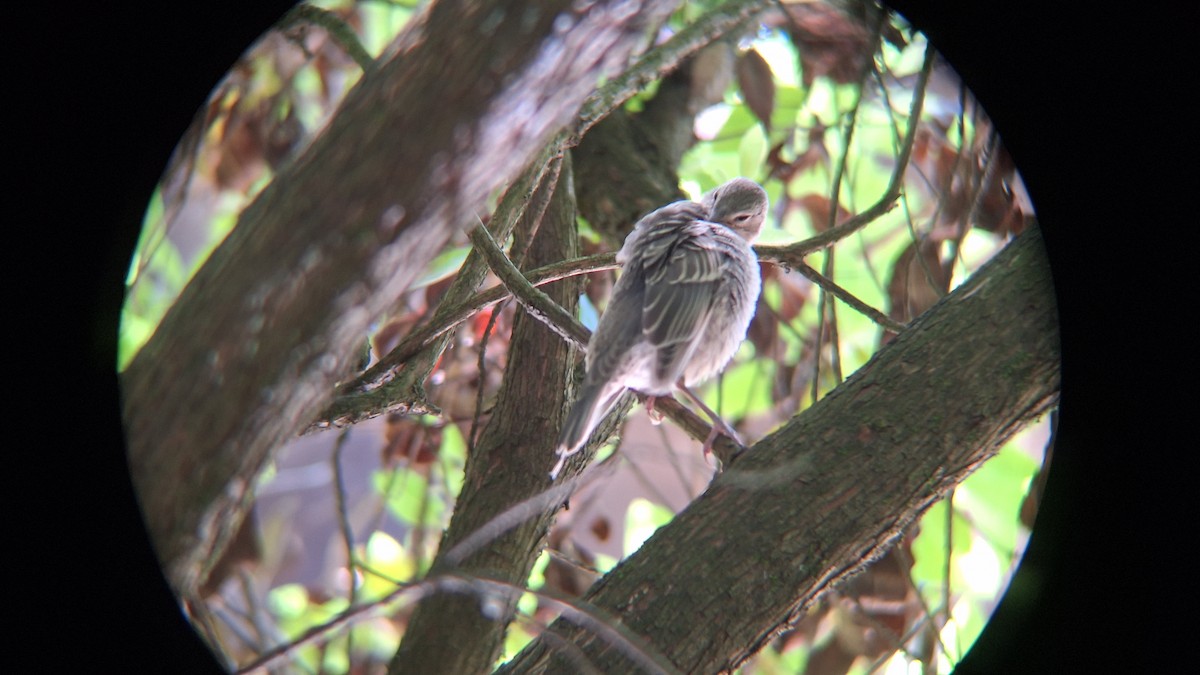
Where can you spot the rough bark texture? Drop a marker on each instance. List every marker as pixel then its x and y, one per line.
pixel 814 502
pixel 251 350
pixel 448 632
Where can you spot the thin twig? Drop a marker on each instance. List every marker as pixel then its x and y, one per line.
pixel 482 368
pixel 849 298
pixel 907 563
pixel 508 519
pixel 663 59
pixel 792 253
pixel 339 494
pixel 337 29
pixel 575 610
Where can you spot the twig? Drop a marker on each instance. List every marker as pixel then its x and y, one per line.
pixel 574 610
pixel 661 60
pixel 907 563
pixel 539 305
pixel 338 30
pixel 792 253
pixel 339 495
pixel 482 368
pixel 849 298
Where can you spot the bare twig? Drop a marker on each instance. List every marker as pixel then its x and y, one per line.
pixel 339 494
pixel 339 31
pixel 662 59
pixel 535 302
pixel 574 610
pixel 482 367
pixel 849 298
pixel 792 253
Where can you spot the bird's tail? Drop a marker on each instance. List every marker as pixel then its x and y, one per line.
pixel 592 403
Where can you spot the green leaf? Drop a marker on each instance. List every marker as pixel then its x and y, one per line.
pixel 387 556
pixel 445 264
pixel 409 498
pixel 752 151
pixel 744 389
pixel 642 519
pixel 288 601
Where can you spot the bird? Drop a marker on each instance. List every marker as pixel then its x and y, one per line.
pixel 687 292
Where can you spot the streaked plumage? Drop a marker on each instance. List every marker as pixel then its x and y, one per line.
pixel 686 294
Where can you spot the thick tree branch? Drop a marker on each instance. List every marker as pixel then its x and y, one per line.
pixel 505 468
pixel 817 500
pixel 252 348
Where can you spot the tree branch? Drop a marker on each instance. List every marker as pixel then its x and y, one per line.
pixel 536 303
pixel 820 498
pixel 790 253
pixel 251 350
pixel 662 59
pixel 847 297
pixel 506 467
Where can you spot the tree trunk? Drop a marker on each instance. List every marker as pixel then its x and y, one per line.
pixel 817 500
pixel 251 350
pixel 448 632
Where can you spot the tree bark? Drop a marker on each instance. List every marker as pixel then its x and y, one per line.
pixel 251 350
pixel 820 498
pixel 448 632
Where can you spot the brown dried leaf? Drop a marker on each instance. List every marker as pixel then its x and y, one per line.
pixel 818 209
pixel 815 154
pixel 763 332
pixel 601 528
pixel 910 292
pixel 409 439
pixel 757 85
pixel 830 42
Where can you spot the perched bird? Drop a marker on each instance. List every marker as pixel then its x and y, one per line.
pixel 680 309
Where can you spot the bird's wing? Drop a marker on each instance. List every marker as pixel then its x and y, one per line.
pixel 620 328
pixel 683 270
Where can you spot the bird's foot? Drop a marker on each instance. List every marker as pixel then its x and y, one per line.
pixel 719 427
pixel 655 416
pixel 563 454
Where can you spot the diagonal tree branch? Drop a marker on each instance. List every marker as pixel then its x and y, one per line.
pixel 847 297
pixel 815 501
pixel 536 303
pixel 251 350
pixel 722 20
pixel 505 467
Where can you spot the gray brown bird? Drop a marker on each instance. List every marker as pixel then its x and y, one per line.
pixel 687 292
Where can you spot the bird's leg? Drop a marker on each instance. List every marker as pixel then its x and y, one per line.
pixel 718 425
pixel 655 416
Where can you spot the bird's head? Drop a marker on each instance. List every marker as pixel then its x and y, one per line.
pixel 740 205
